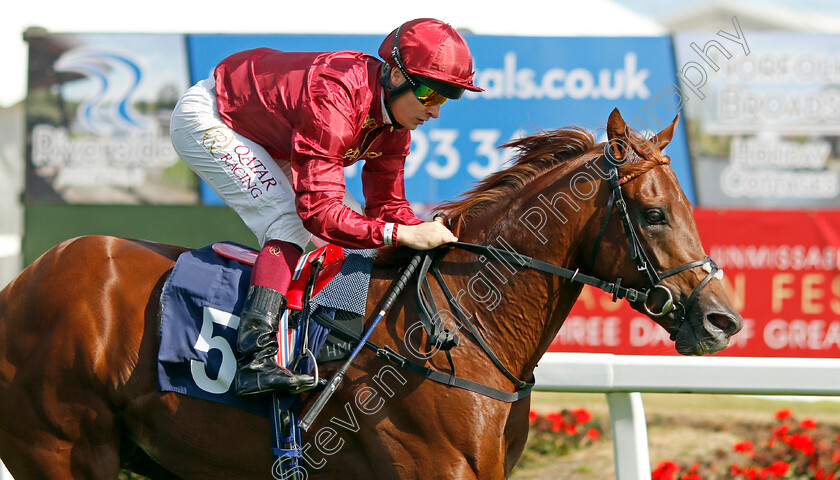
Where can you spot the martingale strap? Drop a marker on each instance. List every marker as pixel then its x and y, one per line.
pixel 444 339
pixel 389 354
pixel 427 311
pixel 462 317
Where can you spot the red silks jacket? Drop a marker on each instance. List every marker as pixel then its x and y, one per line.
pixel 321 112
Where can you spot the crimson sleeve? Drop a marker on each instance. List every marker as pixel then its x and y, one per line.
pixel 331 111
pixel 383 184
pixel 319 184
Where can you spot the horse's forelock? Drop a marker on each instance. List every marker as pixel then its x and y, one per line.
pixel 643 157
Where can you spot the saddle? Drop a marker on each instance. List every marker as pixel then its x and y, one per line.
pixel 319 267
pixel 331 257
pixel 205 291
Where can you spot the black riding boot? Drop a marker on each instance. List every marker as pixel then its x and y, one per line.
pixel 258 370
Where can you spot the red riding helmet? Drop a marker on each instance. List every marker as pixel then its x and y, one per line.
pixel 434 51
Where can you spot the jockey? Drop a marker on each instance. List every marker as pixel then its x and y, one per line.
pixel 271 133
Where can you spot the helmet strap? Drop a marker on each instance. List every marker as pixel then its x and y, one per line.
pixel 385 80
pixel 392 92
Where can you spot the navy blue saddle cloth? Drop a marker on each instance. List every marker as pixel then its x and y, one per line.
pixel 200 306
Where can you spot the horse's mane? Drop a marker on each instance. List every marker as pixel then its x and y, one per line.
pixel 535 155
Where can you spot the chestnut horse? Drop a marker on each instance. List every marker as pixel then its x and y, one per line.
pixel 79 333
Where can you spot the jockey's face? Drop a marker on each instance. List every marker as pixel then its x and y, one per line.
pixel 407 109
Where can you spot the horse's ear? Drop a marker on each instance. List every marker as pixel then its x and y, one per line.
pixel 617 135
pixel 664 137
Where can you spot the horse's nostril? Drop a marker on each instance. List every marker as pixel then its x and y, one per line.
pixel 727 323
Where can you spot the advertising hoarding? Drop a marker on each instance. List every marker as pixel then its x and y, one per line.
pixel 531 83
pixel 97 116
pixel 765 128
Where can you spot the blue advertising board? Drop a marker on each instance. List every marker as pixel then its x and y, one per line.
pixel 531 83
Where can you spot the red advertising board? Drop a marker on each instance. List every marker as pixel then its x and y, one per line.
pixel 782 273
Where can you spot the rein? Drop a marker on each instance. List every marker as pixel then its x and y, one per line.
pixel 444 339
pixel 450 379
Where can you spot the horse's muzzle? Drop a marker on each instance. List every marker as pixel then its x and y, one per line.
pixel 707 330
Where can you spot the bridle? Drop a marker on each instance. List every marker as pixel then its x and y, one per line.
pixel 653 279
pixel 444 339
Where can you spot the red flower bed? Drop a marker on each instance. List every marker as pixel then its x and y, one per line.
pixel 788 449
pixel 557 433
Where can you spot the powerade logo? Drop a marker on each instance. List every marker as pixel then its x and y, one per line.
pixel 511 81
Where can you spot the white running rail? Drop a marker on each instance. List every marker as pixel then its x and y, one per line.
pixel 623 377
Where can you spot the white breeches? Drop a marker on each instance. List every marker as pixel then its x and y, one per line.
pixel 238 169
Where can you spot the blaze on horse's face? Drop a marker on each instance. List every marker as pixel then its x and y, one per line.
pixel 662 218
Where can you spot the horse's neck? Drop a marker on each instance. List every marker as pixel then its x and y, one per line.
pixel 518 310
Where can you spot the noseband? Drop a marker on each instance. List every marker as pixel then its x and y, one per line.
pixel 637 253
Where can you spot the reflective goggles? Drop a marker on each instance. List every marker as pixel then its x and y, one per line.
pixel 426 94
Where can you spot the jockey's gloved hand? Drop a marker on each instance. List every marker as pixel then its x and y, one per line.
pixel 424 236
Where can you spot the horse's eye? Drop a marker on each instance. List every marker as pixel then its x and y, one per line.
pixel 654 216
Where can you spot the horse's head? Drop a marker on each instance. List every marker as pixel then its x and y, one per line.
pixel 656 247
pixel 634 229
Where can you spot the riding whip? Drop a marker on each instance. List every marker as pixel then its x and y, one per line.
pixel 335 381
